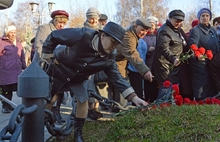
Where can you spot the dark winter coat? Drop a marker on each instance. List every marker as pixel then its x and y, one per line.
pixel 205 37
pixel 169 46
pixel 78 60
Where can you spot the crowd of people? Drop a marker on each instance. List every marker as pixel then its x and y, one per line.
pixel 136 60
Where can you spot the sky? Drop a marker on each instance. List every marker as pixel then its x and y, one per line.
pixel 104 6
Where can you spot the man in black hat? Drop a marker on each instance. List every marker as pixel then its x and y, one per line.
pixel 83 52
pixel 170 42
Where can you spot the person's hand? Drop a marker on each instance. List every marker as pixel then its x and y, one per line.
pixel 201 58
pixel 47 57
pixel 139 102
pixel 148 76
pixel 176 62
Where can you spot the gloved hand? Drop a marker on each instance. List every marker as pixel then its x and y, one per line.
pixel 139 102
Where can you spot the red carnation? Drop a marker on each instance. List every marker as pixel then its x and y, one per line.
pixel 209 54
pixel 166 84
pixel 178 100
pixel 194 102
pixel 194 47
pixel 175 88
pixel 201 102
pixel 197 53
pixel 202 50
pixel 187 101
pixel 208 101
pixel 215 101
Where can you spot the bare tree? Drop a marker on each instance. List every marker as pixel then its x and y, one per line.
pixel 128 10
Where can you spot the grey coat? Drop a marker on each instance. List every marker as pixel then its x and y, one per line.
pixel 203 37
pixel 41 35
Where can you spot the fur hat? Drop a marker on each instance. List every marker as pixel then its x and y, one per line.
pixel 92 13
pixel 177 14
pixel 204 10
pixel 9 28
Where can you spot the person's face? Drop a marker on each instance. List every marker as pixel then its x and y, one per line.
pixel 12 35
pixel 153 27
pixel 103 22
pixel 175 22
pixel 108 43
pixel 59 24
pixel 140 31
pixel 204 19
pixel 93 21
pixel 216 24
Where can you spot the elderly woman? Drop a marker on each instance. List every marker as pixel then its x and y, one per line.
pixel 12 61
pixel 203 35
pixel 151 88
pixel 59 20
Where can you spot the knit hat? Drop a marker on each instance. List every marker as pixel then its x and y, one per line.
pixel 92 13
pixel 152 19
pixel 204 10
pixel 194 23
pixel 9 28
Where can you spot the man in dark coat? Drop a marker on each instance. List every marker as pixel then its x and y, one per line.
pixel 85 52
pixel 169 46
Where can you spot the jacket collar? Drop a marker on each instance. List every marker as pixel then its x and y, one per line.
pixel 206 29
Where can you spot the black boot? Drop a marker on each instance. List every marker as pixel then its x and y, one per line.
pixel 57 116
pixel 78 125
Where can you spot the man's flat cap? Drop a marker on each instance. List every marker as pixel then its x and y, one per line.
pixel 177 14
pixel 144 23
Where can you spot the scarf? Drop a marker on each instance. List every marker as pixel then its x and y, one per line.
pixel 96 27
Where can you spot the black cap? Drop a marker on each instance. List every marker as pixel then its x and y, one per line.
pixel 115 31
pixel 103 17
pixel 33 40
pixel 177 14
pixel 144 23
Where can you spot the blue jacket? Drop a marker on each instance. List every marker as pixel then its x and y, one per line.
pixel 142 50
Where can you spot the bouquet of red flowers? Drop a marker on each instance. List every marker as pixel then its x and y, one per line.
pixel 201 53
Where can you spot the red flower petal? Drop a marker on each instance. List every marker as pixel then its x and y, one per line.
pixel 194 47
pixel 187 101
pixel 209 54
pixel 202 50
pixel 175 88
pixel 166 84
pixel 197 53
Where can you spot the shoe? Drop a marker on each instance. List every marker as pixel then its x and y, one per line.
pixel 94 115
pixel 5 110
